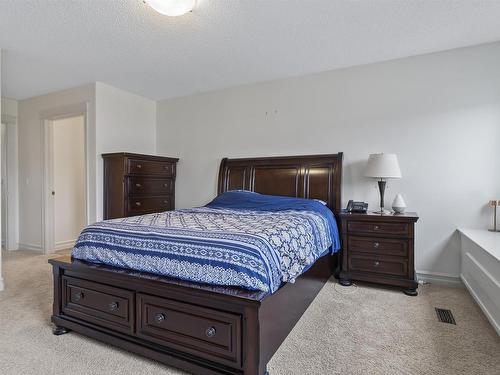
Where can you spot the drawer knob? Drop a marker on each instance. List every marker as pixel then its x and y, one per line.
pixel 160 318
pixel 376 264
pixel 376 245
pixel 139 166
pixel 138 204
pixel 165 185
pixel 113 306
pixel 138 185
pixel 165 166
pixel 376 227
pixel 78 296
pixel 166 202
pixel 210 332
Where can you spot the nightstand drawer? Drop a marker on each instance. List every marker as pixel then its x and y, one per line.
pixel 378 227
pixel 375 245
pixel 382 265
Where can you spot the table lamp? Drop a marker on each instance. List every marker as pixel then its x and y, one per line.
pixel 382 167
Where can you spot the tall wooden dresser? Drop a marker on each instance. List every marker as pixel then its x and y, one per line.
pixel 136 184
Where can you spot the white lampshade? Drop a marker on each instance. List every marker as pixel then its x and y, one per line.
pixel 383 166
pixel 172 7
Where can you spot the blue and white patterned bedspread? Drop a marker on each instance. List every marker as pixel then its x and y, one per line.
pixel 257 250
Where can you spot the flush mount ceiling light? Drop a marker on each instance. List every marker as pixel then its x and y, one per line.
pixel 171 7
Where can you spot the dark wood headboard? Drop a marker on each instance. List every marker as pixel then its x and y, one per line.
pixel 312 176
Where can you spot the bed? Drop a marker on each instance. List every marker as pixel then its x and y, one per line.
pixel 202 328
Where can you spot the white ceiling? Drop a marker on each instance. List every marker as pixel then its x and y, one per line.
pixel 55 44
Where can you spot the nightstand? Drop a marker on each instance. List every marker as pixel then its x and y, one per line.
pixel 380 249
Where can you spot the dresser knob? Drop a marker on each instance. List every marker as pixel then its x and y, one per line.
pixel 138 185
pixel 138 204
pixel 210 332
pixel 165 166
pixel 376 227
pixel 113 306
pixel 376 245
pixel 139 166
pixel 160 318
pixel 376 264
pixel 165 185
pixel 166 202
pixel 78 296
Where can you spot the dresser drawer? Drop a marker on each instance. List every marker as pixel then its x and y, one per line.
pixel 150 167
pixel 145 205
pixel 100 304
pixel 193 329
pixel 376 245
pixel 374 264
pixel 150 185
pixel 378 227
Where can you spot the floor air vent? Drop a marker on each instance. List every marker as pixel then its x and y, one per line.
pixel 445 316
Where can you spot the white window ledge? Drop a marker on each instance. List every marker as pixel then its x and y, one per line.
pixel 488 241
pixel 480 270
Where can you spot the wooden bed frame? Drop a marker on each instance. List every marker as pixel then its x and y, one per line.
pixel 200 328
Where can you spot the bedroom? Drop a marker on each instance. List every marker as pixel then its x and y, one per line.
pixel 244 79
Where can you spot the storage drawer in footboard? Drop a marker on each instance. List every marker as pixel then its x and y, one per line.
pixel 204 332
pixel 103 305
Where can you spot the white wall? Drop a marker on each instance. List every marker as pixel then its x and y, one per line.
pixel 31 113
pixel 116 121
pixel 69 179
pixel 9 117
pixel 124 122
pixel 440 113
pixel 9 107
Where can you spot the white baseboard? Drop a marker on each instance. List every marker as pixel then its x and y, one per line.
pixel 2 285
pixel 27 246
pixel 64 245
pixel 441 279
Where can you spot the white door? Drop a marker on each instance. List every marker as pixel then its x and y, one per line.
pixel 69 180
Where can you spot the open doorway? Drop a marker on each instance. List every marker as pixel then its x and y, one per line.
pixel 65 171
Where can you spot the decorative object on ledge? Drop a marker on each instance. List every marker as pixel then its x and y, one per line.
pixel 399 205
pixel 494 204
pixel 382 167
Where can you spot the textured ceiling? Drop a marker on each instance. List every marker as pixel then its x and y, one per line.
pixel 55 44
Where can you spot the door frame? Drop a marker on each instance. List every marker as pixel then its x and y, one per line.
pixel 11 235
pixel 47 157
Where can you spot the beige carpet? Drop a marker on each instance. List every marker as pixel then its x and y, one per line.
pixel 356 330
